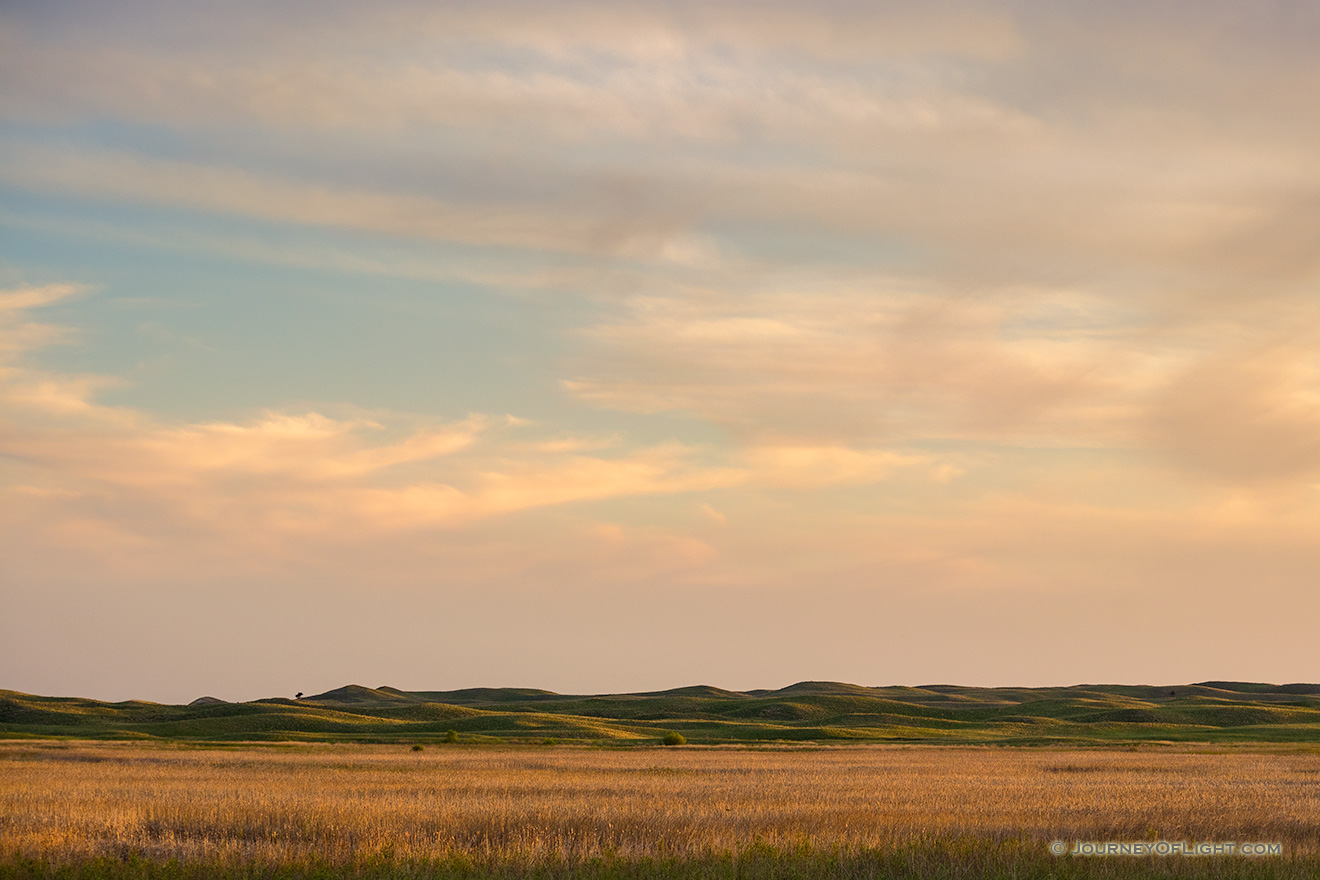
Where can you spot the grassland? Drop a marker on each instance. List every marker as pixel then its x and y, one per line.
pixel 819 779
pixel 155 810
pixel 808 712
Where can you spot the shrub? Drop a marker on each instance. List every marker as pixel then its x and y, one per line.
pixel 674 738
pixel 451 736
pixel 417 747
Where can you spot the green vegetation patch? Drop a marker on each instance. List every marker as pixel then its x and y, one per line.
pixel 1017 859
pixel 820 712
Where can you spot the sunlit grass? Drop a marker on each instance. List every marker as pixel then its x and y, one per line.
pixel 344 805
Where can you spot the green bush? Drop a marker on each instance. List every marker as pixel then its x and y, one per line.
pixel 673 738
pixel 417 747
pixel 451 736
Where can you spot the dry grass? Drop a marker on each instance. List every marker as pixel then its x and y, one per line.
pixel 342 803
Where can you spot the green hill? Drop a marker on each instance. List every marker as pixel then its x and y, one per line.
pixel 809 711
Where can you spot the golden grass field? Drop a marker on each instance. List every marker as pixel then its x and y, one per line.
pixel 340 803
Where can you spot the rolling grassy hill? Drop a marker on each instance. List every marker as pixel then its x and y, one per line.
pixel 821 712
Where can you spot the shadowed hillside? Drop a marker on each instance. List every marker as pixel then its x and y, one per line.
pixel 809 711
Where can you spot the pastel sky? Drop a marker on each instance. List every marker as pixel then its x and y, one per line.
pixel 621 346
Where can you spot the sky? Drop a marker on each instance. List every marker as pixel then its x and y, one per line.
pixel 607 347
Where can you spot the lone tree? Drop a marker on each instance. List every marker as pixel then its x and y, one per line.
pixel 298 696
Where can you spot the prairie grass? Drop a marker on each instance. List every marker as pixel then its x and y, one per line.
pixel 136 808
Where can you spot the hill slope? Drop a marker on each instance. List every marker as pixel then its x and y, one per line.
pixel 1212 711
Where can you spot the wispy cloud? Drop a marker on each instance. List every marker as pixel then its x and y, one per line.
pixel 101 175
pixel 891 364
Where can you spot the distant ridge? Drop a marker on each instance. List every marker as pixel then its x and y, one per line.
pixel 696 690
pixel 356 693
pixel 804 712
pixel 484 695
pixel 1250 687
pixel 941 693
pixel 835 688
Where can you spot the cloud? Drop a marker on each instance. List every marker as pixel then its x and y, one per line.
pixel 889 364
pixel 307 471
pixel 1227 390
pixel 17 333
pixel 1022 144
pixel 404 63
pixel 1245 415
pixel 814 466
pixel 35 297
pixel 107 175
